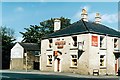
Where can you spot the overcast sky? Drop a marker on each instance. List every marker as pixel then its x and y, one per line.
pixel 19 15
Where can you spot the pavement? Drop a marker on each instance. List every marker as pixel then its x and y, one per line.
pixel 58 73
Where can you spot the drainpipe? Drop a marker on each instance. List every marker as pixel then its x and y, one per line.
pixel 26 60
pixel 106 55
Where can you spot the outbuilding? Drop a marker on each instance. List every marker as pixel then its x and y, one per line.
pixel 25 56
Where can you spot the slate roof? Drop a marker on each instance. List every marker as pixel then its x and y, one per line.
pixel 30 46
pixel 81 26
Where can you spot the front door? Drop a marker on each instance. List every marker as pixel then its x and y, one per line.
pixel 116 65
pixel 58 64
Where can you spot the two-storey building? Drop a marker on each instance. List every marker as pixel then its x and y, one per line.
pixel 84 47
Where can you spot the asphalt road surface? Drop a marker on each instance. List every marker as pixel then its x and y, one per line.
pixel 40 76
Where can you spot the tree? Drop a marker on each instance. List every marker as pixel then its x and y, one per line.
pixel 49 24
pixel 7 36
pixel 34 33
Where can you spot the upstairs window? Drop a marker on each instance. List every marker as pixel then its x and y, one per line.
pixel 75 41
pixel 50 43
pixel 73 60
pixel 115 43
pixel 102 42
pixel 49 59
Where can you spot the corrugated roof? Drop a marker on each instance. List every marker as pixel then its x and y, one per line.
pixel 30 46
pixel 83 27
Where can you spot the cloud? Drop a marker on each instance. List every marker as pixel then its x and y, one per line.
pixel 78 14
pixel 19 39
pixel 19 9
pixel 110 18
pixel 106 18
pixel 91 16
pixel 85 7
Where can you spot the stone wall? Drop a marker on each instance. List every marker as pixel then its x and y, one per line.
pixel 16 64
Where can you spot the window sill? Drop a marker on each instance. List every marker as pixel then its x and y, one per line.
pixel 103 68
pixel 116 49
pixel 73 48
pixel 49 49
pixel 73 67
pixel 103 49
pixel 48 65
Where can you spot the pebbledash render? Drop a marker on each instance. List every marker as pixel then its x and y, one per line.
pixel 84 47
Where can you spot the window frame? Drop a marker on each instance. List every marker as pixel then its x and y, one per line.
pixel 115 42
pixel 103 42
pixel 48 60
pixel 72 64
pixel 50 43
pixel 74 41
pixel 104 63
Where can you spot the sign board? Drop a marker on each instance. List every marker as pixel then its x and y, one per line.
pixel 80 45
pixel 25 54
pixel 60 44
pixel 95 41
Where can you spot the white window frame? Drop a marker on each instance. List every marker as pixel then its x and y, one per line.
pixel 48 62
pixel 103 42
pixel 104 58
pixel 73 42
pixel 115 43
pixel 72 64
pixel 50 43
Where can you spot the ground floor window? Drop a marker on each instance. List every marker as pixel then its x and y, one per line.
pixel 102 61
pixel 73 60
pixel 49 59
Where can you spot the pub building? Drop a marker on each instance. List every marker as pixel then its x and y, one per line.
pixel 84 47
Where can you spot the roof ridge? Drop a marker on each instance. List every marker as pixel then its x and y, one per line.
pixel 85 25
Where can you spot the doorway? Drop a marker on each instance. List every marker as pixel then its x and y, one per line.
pixel 57 65
pixel 36 65
pixel 116 65
pixel 117 61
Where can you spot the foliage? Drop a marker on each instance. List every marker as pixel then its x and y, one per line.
pixel 34 33
pixel 7 36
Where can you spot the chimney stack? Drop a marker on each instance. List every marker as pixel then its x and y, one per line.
pixel 84 15
pixel 57 24
pixel 97 18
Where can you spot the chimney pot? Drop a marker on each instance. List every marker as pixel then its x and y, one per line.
pixel 97 18
pixel 84 15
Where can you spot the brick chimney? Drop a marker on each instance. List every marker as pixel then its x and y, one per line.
pixel 97 18
pixel 84 15
pixel 57 24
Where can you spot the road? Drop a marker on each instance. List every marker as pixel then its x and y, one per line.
pixel 10 75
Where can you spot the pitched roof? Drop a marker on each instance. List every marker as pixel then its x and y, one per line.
pixel 84 27
pixel 30 46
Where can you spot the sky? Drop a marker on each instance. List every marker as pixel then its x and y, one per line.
pixel 19 15
pixel 60 0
